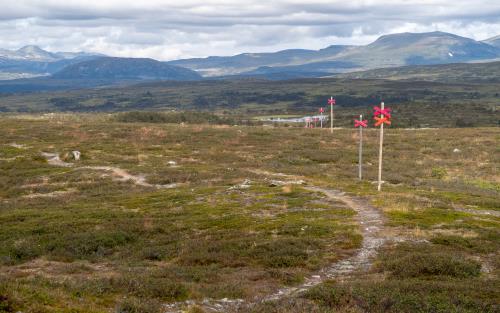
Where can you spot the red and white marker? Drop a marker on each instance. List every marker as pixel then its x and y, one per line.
pixel 382 116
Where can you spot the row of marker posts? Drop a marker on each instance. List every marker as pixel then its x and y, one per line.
pixel 381 116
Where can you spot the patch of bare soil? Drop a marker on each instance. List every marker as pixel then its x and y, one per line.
pixel 59 270
pixel 116 172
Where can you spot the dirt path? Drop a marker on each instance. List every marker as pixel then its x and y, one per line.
pixel 371 223
pixel 369 218
pixel 116 172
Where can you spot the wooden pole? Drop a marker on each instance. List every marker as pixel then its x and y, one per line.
pixel 381 143
pixel 360 148
pixel 331 115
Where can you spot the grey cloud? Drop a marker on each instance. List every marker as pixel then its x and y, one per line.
pixel 169 29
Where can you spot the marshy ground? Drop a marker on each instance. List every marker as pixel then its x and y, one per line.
pixel 169 217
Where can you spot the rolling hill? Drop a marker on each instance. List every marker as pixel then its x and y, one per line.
pixel 449 73
pixel 125 68
pixel 249 62
pixel 387 51
pixel 494 41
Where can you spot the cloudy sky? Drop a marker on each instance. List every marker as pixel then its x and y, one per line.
pixel 172 29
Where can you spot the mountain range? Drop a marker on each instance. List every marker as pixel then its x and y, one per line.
pixel 31 61
pixel 404 49
pixel 387 51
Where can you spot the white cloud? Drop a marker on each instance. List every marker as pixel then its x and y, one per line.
pixel 169 29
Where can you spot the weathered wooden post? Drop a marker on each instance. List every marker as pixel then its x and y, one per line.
pixel 321 116
pixel 360 124
pixel 382 116
pixel 331 102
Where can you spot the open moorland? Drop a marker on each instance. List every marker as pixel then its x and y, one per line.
pixel 166 217
pixel 415 103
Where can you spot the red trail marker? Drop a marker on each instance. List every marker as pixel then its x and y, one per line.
pixel 381 116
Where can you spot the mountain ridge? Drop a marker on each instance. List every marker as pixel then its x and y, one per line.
pixel 125 68
pixel 390 50
pixel 494 41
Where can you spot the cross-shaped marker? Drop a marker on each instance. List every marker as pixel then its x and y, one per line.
pixel 379 111
pixel 331 101
pixel 382 120
pixel 360 123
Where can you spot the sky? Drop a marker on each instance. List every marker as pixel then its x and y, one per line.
pixel 173 29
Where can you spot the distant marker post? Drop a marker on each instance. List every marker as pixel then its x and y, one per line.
pixel 321 116
pixel 382 116
pixel 360 124
pixel 331 102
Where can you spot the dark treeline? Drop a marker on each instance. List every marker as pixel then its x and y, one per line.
pixel 188 117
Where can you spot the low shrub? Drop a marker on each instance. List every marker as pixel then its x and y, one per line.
pixel 173 117
pixel 438 173
pixel 155 287
pixel 283 253
pixel 423 261
pixel 395 296
pixel 138 306
pixel 6 304
pixel 479 245
pixel 87 245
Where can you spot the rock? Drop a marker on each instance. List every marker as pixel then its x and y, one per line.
pixel 244 185
pixel 76 155
pixel 18 146
pixel 172 163
pixel 456 150
pixel 275 183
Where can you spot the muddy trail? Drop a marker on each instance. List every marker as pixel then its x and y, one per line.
pixel 117 173
pixel 371 223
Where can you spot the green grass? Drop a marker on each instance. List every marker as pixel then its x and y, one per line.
pixel 105 245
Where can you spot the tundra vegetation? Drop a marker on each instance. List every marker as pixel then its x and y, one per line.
pixel 82 239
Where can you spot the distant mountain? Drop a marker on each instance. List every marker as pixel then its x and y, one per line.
pixel 125 68
pixel 387 51
pixel 37 68
pixel 36 54
pixel 421 49
pixel 248 62
pixel 494 41
pixel 447 73
pixel 315 69
pixel 34 61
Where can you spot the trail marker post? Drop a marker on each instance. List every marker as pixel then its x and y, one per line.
pixel 382 116
pixel 331 102
pixel 321 114
pixel 360 124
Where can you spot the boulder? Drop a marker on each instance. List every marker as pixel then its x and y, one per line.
pixel 76 155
